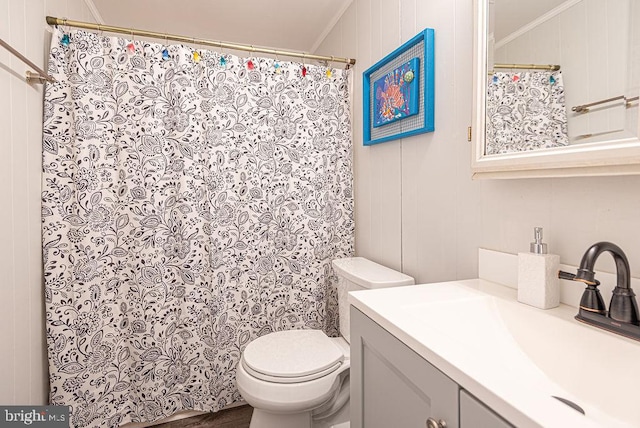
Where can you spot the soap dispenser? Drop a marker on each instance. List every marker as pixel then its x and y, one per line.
pixel 538 283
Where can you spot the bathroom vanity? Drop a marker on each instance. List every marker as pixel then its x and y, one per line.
pixel 467 354
pixel 403 389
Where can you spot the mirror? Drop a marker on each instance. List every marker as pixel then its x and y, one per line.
pixel 556 88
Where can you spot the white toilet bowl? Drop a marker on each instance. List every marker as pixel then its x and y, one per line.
pixel 300 378
pixel 293 377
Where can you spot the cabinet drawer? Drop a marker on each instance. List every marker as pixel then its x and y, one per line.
pixel 391 385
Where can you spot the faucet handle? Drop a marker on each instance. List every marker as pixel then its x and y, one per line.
pixel 591 300
pixel 572 277
pixel 566 275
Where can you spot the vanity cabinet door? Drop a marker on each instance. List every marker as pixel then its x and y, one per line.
pixel 391 385
pixel 474 414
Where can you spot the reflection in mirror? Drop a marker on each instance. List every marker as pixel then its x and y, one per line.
pixel 561 72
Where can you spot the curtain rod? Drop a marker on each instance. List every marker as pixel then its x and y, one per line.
pixel 193 40
pixel 38 77
pixel 551 67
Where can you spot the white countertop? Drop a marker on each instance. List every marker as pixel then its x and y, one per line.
pixel 513 357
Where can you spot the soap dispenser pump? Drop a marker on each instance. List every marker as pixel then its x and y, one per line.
pixel 538 283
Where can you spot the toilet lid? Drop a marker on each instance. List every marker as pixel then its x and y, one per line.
pixel 292 356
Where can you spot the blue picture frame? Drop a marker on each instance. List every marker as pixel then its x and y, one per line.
pixel 416 117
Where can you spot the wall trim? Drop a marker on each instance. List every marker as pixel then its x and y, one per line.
pixel 538 21
pixel 330 26
pixel 94 11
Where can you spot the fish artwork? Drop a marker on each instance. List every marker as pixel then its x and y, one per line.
pixel 396 94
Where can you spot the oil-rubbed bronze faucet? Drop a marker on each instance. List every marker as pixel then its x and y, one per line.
pixel 622 316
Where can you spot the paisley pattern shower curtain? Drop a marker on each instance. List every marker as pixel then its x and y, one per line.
pixel 190 204
pixel 525 111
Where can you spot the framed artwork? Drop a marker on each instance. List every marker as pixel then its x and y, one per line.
pixel 398 92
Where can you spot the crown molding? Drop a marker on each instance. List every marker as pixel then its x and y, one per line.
pixel 94 11
pixel 538 21
pixel 330 26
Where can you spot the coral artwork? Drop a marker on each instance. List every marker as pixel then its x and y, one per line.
pixel 396 94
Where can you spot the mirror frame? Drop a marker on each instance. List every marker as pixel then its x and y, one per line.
pixel 615 157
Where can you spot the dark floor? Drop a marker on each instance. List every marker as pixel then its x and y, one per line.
pixel 237 417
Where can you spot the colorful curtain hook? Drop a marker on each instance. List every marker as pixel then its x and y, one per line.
pixel 223 60
pixel 196 55
pixel 131 47
pixel 65 40
pixel 329 72
pixel 165 51
pixel 303 70
pixel 250 64
pixel 276 65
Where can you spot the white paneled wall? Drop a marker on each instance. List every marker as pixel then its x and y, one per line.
pixel 416 205
pixel 23 366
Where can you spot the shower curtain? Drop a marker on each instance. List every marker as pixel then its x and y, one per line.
pixel 192 201
pixel 525 111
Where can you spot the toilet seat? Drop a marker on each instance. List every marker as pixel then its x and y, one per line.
pixel 292 356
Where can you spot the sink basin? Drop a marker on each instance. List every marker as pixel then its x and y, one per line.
pixel 515 357
pixel 599 369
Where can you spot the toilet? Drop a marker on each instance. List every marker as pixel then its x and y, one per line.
pixel 300 378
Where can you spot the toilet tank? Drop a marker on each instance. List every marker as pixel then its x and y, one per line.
pixel 358 273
